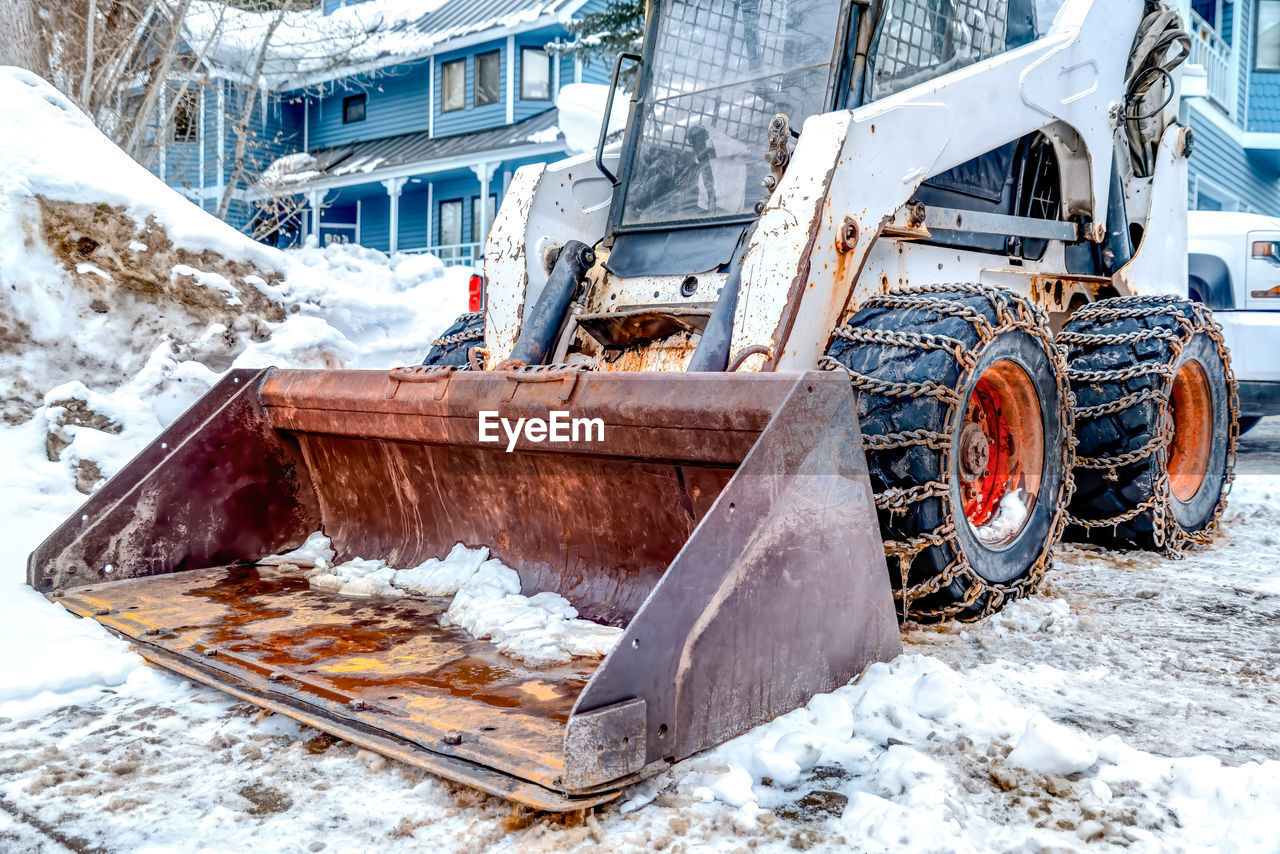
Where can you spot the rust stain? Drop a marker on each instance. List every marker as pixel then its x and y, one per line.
pixel 796 289
pixel 385 652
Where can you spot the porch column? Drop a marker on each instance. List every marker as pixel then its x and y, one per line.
pixel 313 199
pixel 394 186
pixel 484 171
pixel 431 210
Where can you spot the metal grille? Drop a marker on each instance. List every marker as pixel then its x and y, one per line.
pixel 722 70
pixel 923 39
pixel 710 48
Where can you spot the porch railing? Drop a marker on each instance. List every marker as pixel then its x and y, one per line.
pixel 1209 51
pixel 453 254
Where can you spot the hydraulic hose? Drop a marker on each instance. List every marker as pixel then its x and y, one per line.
pixel 539 332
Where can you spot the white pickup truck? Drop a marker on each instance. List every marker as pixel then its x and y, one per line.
pixel 1234 268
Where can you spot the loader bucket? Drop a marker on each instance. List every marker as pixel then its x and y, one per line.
pixel 724 520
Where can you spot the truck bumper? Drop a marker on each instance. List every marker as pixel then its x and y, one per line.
pixel 1259 398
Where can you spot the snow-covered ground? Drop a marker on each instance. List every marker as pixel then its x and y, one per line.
pixel 1131 703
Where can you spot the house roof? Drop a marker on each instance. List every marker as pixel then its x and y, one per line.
pixel 454 18
pixel 372 160
pixel 308 47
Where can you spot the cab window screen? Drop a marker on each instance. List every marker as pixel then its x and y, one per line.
pixel 721 70
pixel 919 40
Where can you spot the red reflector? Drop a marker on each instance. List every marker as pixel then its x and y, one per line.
pixel 475 291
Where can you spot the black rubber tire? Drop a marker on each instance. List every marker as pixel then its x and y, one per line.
pixel 454 346
pixel 991 324
pixel 1160 334
pixel 1248 422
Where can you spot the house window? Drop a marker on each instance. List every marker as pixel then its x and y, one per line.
pixel 453 91
pixel 1209 12
pixel 488 77
pixel 451 223
pixel 1210 196
pixel 353 109
pixel 1266 55
pixel 535 74
pixel 476 236
pixel 186 118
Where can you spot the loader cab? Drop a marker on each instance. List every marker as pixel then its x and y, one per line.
pixel 713 75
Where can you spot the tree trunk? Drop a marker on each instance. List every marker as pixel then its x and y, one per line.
pixel 241 128
pixel 159 79
pixel 22 40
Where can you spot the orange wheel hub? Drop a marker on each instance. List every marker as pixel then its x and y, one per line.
pixel 1192 430
pixel 1001 449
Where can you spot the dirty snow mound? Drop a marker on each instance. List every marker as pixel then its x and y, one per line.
pixel 105 272
pixel 101 264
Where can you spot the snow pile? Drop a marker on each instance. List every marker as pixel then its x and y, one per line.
pixel 101 263
pixel 59 654
pixel 105 272
pixel 916 756
pixel 539 630
pixel 356 308
pixel 1052 748
pixel 49 657
pixel 60 155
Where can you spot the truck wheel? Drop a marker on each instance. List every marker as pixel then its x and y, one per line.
pixel 964 408
pixel 1156 422
pixel 454 346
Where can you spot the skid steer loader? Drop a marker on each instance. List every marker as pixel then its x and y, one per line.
pixel 862 292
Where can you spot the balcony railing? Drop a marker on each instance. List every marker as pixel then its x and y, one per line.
pixel 1209 51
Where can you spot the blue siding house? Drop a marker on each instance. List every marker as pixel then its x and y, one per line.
pixel 411 149
pixel 414 150
pixel 1231 98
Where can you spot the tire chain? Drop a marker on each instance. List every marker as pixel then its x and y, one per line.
pixel 465 334
pixel 1169 536
pixel 1013 313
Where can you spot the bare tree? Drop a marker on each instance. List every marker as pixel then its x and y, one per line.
pixel 240 131
pixel 133 66
pixel 20 36
pixel 167 55
pixel 280 204
pixel 250 157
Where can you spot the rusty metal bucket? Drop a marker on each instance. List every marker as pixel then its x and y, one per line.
pixel 725 520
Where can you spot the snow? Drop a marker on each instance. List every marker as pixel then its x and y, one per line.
pixel 1104 711
pixel 1007 520
pixel 315 552
pixel 539 630
pixel 1052 748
